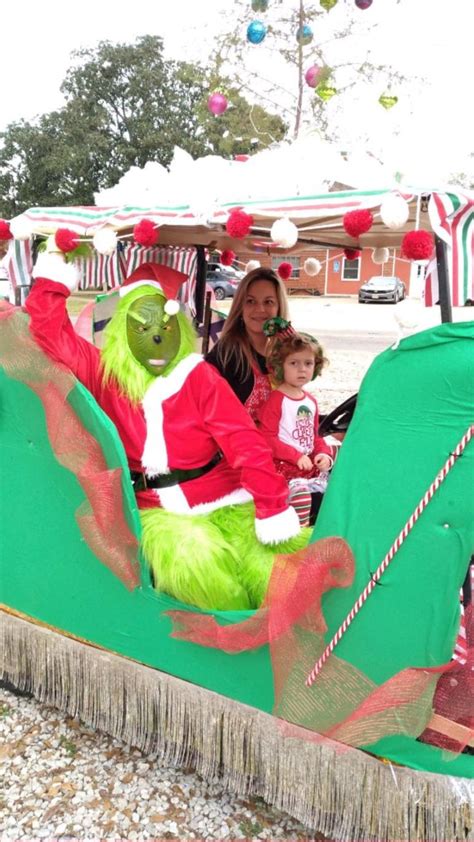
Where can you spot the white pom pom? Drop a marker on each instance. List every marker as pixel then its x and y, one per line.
pixel 251 265
pixel 284 233
pixel 172 307
pixel 380 255
pixel 312 266
pixel 105 240
pixel 394 212
pixel 21 228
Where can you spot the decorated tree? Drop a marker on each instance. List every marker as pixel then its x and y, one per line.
pixel 309 53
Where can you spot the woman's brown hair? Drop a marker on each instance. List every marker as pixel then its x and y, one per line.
pixel 234 344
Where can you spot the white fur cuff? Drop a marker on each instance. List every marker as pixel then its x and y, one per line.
pixel 272 530
pixel 54 268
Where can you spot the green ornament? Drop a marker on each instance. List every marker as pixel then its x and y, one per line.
pixel 388 101
pixel 327 4
pixel 325 91
pixel 259 5
pixel 153 337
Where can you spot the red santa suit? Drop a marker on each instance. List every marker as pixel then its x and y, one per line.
pixel 290 426
pixel 185 420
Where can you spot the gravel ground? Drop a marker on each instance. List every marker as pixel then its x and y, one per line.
pixel 59 780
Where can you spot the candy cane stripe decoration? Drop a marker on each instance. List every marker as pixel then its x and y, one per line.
pixel 440 477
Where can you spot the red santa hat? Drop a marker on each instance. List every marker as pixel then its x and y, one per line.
pixel 167 281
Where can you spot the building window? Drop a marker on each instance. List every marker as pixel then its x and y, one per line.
pixel 351 269
pixel 295 262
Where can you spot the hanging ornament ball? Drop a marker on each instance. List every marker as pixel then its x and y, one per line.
pixel 5 232
pixel 256 32
pixel 145 233
pixel 217 103
pixel 251 265
pixel 284 233
pixel 105 240
pixel 304 34
pixel 363 4
pixel 21 228
pixel 351 254
pixel 284 270
pixel 417 245
pixel 227 257
pixel 387 101
pixel 357 222
pixel 259 5
pixel 380 255
pixel 312 266
pixel 325 91
pixel 239 224
pixel 327 4
pixel 66 240
pixel 394 212
pixel 312 75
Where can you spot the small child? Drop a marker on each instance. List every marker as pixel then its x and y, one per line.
pixel 289 419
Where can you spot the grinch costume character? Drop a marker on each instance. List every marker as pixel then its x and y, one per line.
pixel 214 512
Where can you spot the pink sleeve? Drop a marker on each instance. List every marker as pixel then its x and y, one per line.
pixel 52 329
pixel 269 419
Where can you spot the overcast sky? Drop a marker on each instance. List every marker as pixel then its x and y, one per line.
pixel 432 38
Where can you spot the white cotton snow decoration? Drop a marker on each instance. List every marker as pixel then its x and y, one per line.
pixel 251 265
pixel 21 228
pixel 380 255
pixel 105 240
pixel 284 233
pixel 312 266
pixel 394 212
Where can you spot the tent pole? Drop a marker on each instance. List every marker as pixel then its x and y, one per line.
pixel 200 283
pixel 443 281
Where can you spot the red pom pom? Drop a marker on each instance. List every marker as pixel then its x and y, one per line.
pixel 284 270
pixel 66 240
pixel 417 245
pixel 239 224
pixel 145 233
pixel 5 233
pixel 351 254
pixel 357 222
pixel 227 257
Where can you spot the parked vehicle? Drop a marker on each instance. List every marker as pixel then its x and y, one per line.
pixel 380 288
pixel 223 280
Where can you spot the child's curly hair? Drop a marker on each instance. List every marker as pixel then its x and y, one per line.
pixel 280 347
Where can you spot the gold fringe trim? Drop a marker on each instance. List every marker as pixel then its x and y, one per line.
pixel 343 793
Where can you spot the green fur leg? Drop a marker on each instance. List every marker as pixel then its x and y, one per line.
pixel 192 560
pixel 237 525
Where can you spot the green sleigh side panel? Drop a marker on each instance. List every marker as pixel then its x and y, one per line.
pixel 48 572
pixel 415 405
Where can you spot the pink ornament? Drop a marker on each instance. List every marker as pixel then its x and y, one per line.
pixel 217 104
pixel 363 4
pixel 312 75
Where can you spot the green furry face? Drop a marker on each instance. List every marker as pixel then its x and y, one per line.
pixel 153 337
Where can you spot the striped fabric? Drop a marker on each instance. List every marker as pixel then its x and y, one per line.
pixel 452 219
pixel 461 649
pixel 19 262
pixel 107 272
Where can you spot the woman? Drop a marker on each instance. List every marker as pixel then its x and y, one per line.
pixel 239 353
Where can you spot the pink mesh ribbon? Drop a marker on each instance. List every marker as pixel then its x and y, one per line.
pixel 101 518
pixel 343 704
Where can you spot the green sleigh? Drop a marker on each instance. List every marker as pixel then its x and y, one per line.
pixel 83 629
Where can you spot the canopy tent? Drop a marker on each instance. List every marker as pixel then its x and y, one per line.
pixel 297 181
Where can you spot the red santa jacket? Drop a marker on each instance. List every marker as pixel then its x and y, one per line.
pixel 185 419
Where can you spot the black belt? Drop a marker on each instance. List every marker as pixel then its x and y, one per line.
pixel 176 476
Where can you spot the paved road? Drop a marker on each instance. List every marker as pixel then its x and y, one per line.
pixel 333 340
